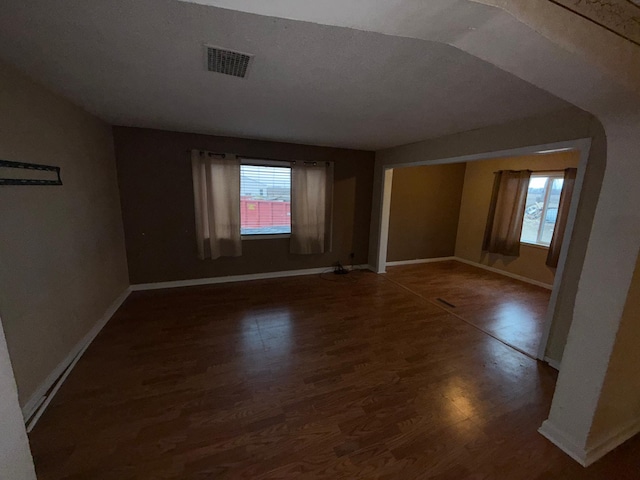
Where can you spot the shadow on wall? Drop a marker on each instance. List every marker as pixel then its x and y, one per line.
pixel 492 259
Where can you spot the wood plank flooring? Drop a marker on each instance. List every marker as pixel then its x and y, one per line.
pixel 510 310
pixel 303 378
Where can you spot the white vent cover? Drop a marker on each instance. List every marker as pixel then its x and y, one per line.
pixel 227 62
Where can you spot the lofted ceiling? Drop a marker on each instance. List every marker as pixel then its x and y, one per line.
pixel 143 64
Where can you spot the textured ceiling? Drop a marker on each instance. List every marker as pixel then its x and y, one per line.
pixel 621 17
pixel 143 64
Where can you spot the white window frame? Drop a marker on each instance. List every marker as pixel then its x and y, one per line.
pixel 551 176
pixel 260 162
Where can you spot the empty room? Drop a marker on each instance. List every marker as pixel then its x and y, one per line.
pixel 450 241
pixel 338 239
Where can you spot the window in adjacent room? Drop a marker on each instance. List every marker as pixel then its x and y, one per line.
pixel 265 197
pixel 541 210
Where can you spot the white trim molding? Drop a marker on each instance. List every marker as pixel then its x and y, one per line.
pixel 385 215
pixel 505 273
pixel 553 363
pixel 564 443
pixel 474 264
pixel 39 401
pixel 419 260
pixel 604 445
pixel 587 456
pixel 237 278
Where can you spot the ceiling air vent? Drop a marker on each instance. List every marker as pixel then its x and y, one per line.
pixel 227 61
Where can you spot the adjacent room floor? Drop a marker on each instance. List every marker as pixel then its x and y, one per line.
pixel 308 377
pixel 507 309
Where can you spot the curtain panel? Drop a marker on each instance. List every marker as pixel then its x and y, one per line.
pixel 563 214
pixel 311 207
pixel 506 212
pixel 216 195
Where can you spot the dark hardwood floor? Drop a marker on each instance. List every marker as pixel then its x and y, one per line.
pixel 303 378
pixel 510 310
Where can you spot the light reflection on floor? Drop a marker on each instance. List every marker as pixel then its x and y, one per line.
pixel 250 339
pixel 270 330
pixel 510 311
pixel 504 315
pixel 462 394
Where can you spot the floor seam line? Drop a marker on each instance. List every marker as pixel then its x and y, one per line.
pixel 459 317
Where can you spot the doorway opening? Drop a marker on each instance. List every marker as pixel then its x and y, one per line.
pixel 432 242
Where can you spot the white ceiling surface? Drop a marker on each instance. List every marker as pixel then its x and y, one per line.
pixel 142 64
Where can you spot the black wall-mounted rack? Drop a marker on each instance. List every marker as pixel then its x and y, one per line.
pixel 29 181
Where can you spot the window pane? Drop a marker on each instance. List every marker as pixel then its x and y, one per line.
pixel 265 200
pixel 551 213
pixel 533 209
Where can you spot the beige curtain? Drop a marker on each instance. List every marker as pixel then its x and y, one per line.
pixel 216 194
pixel 563 214
pixel 311 207
pixel 506 212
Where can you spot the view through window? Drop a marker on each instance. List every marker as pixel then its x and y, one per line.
pixel 541 211
pixel 265 200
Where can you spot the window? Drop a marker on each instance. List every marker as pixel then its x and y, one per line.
pixel 265 198
pixel 541 210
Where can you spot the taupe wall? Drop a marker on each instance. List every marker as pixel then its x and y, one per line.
pixel 154 172
pixel 619 405
pixel 476 197
pixel 62 255
pixel 425 204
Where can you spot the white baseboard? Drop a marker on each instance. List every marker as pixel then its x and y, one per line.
pixel 236 278
pixel 419 260
pixel 38 402
pixel 587 456
pixel 553 363
pixel 564 443
pixel 613 440
pixel 505 273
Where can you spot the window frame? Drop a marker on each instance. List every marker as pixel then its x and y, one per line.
pixel 261 162
pixel 551 176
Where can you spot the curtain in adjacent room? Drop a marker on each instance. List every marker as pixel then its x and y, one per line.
pixel 506 212
pixel 311 207
pixel 216 194
pixel 563 214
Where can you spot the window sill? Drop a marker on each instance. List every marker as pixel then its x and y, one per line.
pixel 267 236
pixel 535 245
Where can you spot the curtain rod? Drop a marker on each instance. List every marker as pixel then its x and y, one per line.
pixel 259 158
pixel 534 171
pixel 223 155
pixel 311 162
